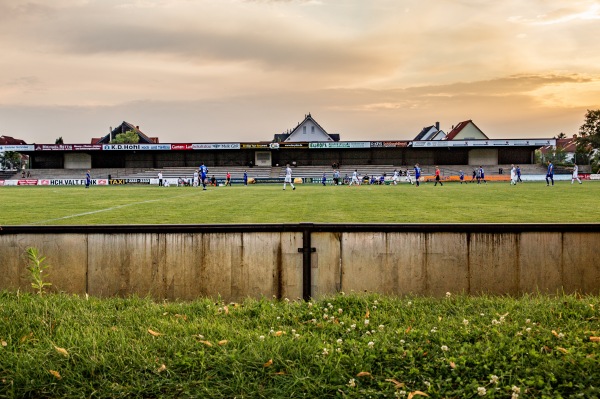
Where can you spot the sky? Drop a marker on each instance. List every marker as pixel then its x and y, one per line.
pixel 244 70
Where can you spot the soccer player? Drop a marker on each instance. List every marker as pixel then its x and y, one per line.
pixel 195 184
pixel 513 175
pixel 417 174
pixel 461 176
pixel 575 174
pixel 355 178
pixel 395 177
pixel 88 179
pixel 228 180
pixel 245 178
pixel 481 175
pixel 550 174
pixel 408 179
pixel 203 172
pixel 336 177
pixel 437 177
pixel 519 174
pixel 324 179
pixel 160 182
pixel 288 177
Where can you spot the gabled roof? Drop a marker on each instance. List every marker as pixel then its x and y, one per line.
pixel 458 128
pixel 568 145
pixel 424 132
pixel 7 140
pixel 122 128
pixel 296 131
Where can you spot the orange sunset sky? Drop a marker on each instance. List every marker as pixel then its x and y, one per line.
pixel 244 70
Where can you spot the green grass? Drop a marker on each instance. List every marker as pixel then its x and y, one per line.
pixel 530 202
pixel 67 346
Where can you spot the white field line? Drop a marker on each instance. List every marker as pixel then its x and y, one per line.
pixel 107 209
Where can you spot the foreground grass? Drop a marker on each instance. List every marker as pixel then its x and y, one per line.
pixel 352 346
pixel 531 202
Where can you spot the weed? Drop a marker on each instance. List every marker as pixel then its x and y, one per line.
pixel 36 266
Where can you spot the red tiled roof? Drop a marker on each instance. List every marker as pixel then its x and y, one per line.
pixel 7 140
pixel 454 132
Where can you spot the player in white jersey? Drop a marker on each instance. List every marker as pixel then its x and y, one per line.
pixel 355 178
pixel 288 177
pixel 195 178
pixel 395 177
pixel 408 178
pixel 513 175
pixel 575 175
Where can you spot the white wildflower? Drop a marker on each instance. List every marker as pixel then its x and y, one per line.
pixel 465 322
pixel 262 337
pixel 340 311
pixel 353 326
pixel 448 294
pixel 494 379
pixel 339 341
pixel 516 389
pixel 381 327
pixel 371 344
pixel 444 348
pixel 325 351
pixel 427 384
pixel 402 341
pixel 366 322
pixel 481 391
pixel 352 383
pixel 528 321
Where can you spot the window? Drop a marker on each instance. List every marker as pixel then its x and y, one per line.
pixel 312 129
pixel 303 129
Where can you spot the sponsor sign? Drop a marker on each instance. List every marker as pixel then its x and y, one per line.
pixel 68 147
pixel 129 181
pixel 395 143
pixel 256 145
pixel 17 148
pixel 595 176
pixel 71 182
pixel 1 182
pixel 216 146
pixel 140 147
pixel 276 146
pixel 28 182
pixel 341 144
pixel 482 143
pixel 179 147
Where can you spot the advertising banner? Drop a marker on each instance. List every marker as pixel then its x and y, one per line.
pixel 389 144
pixel 17 148
pixel 27 182
pixel 341 144
pixel 483 143
pixel 68 147
pixel 276 146
pixel 71 182
pixel 180 147
pixel 140 147
pixel 128 181
pixel 216 146
pixel 255 145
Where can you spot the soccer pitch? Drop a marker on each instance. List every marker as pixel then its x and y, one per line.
pixel 531 202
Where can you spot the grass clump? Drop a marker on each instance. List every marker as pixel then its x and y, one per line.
pixel 351 346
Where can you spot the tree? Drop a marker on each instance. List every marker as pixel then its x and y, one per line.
pixel 59 140
pixel 561 136
pixel 590 135
pixel 129 137
pixel 11 160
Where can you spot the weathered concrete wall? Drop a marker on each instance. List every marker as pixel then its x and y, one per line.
pixel 235 265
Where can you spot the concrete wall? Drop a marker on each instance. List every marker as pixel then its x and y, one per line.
pixel 235 265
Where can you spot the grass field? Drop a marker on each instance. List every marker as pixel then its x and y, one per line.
pixel 344 346
pixel 530 202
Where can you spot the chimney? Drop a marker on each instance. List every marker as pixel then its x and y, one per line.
pixel 137 128
pixel 437 126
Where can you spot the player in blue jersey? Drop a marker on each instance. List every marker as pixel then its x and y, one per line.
pixel 519 174
pixel 461 176
pixel 88 179
pixel 481 175
pixel 324 179
pixel 550 174
pixel 245 178
pixel 203 171
pixel 417 174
